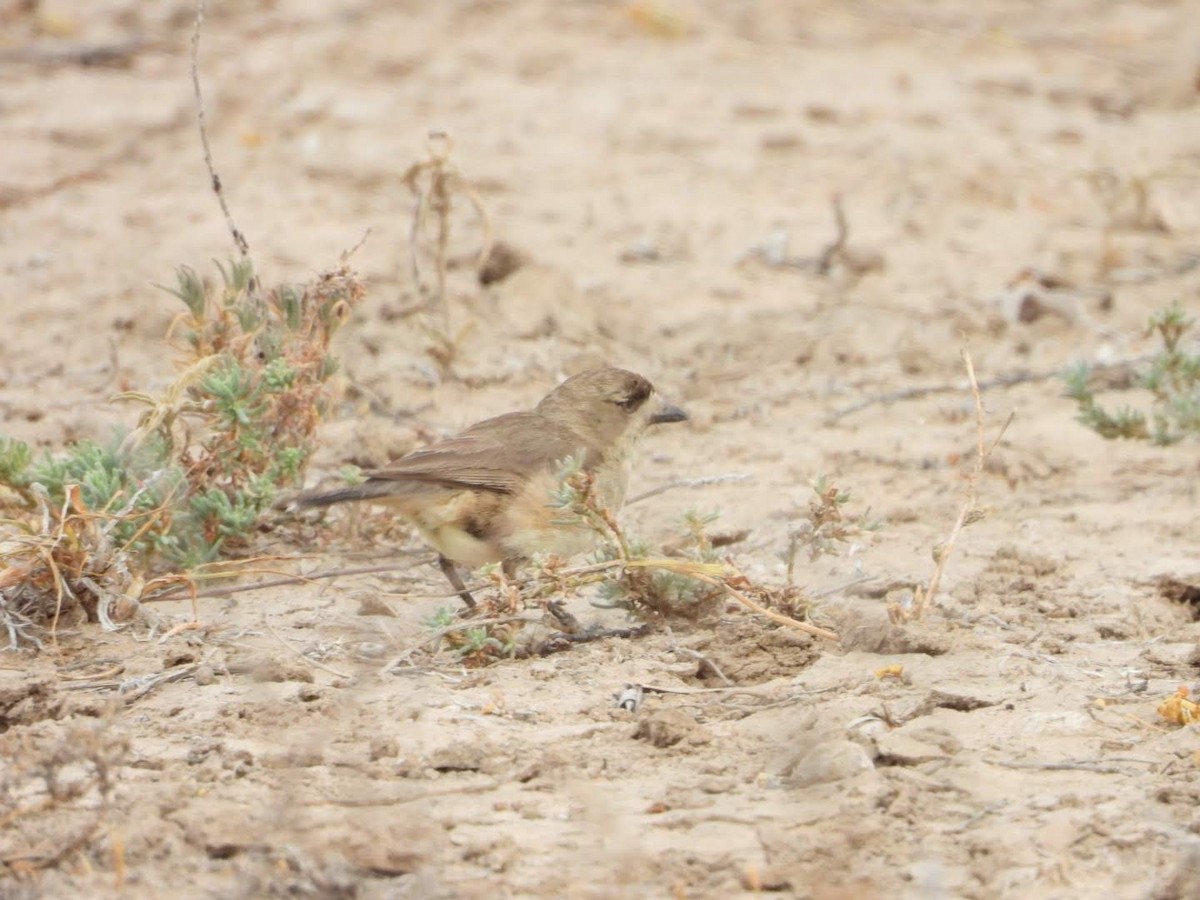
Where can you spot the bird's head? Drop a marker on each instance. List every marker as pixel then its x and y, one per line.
pixel 609 407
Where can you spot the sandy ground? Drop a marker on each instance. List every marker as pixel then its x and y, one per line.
pixel 668 168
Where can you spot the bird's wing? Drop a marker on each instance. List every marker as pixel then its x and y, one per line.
pixel 499 455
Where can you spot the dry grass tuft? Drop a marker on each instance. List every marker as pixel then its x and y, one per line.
pixel 435 182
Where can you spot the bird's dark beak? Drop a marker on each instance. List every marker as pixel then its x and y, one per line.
pixel 668 413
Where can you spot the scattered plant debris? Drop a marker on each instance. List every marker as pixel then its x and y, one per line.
pixel 60 782
pixel 1178 709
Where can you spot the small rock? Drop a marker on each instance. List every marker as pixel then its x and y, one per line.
pixel 718 785
pixel 830 761
pixel 305 757
pixel 1033 295
pixel 174 658
pixel 309 693
pixel 458 758
pixel 383 858
pixel 666 728
pixel 276 669
pixel 202 749
pixel 777 141
pixel 701 735
pixel 204 675
pixel 962 698
pixel 371 649
pixel 544 670
pixel 897 749
pixel 374 605
pixel 938 737
pixel 383 748
pixel 767 878
pixel 238 762
pixel 884 638
pixel 502 260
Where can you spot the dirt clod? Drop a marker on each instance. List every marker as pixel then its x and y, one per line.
pixel 667 727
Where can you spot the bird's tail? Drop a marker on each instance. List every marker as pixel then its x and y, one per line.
pixel 368 490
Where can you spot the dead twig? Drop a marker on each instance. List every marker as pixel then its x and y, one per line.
pixel 916 393
pixel 757 607
pixel 396 801
pixel 562 640
pixel 172 593
pixel 50 859
pixel 704 481
pixel 698 657
pixel 773 252
pixel 238 238
pixel 433 183
pixel 117 54
pixel 971 821
pixel 1077 765
pixel 967 515
pixel 704 661
pixel 133 689
pixel 1010 379
pixel 681 566
pixel 827 257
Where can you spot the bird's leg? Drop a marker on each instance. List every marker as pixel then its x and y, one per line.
pixel 451 572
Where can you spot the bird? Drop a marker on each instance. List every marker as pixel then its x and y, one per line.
pixel 485 494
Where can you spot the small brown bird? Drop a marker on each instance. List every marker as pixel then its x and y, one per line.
pixel 485 495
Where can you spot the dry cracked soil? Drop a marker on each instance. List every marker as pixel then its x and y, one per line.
pixel 1018 179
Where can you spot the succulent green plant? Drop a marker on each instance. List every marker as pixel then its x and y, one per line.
pixel 1172 378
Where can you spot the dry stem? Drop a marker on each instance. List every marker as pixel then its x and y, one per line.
pixel 1009 379
pixel 827 256
pixel 968 513
pixel 704 481
pixel 238 238
pixel 444 180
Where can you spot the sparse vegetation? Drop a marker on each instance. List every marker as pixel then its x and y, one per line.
pixel 1172 377
pixel 825 529
pixel 647 592
pixel 320 734
pixel 666 593
pixel 97 524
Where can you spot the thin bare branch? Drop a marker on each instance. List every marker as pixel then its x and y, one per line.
pixel 688 483
pixel 238 238
pixel 968 513
pixel 827 256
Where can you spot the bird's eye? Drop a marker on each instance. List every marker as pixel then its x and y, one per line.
pixel 634 396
